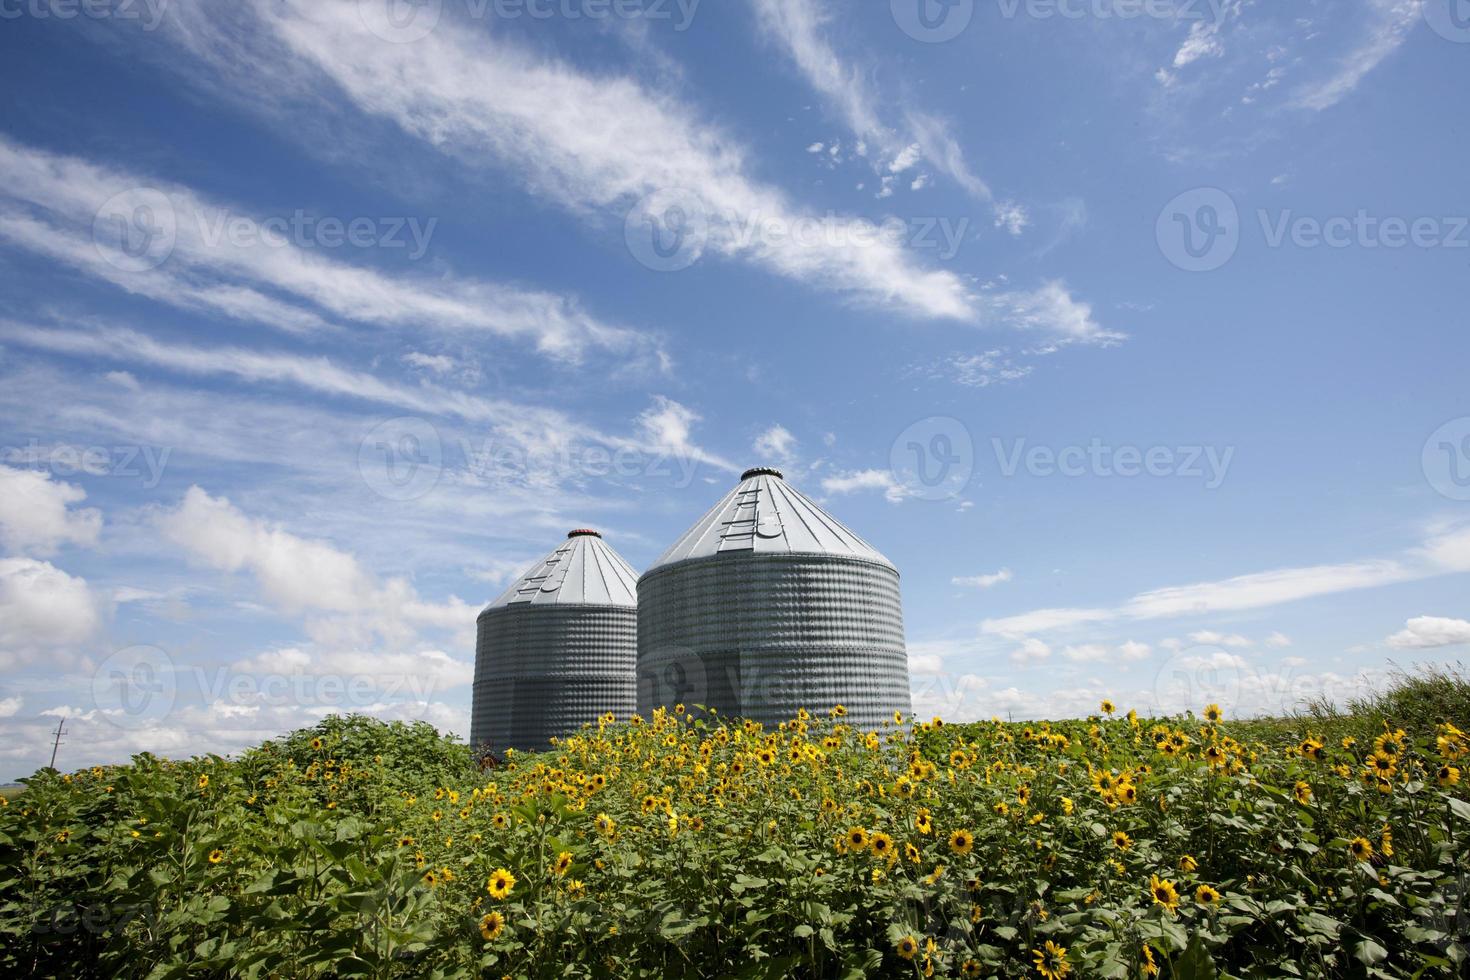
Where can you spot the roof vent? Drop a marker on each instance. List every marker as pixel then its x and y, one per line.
pixel 762 471
pixel 583 532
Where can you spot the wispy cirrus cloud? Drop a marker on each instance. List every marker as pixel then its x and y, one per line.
pixel 1447 551
pixel 593 144
pixel 526 425
pixel 800 28
pixel 61 207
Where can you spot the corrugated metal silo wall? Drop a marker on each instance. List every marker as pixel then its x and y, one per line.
pixel 544 671
pixel 762 635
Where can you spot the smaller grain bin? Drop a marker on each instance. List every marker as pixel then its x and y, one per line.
pixel 557 649
pixel 769 604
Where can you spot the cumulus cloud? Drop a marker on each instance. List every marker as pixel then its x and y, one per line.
pixel 776 444
pixel 304 576
pixel 36 515
pixel 1428 632
pixel 43 612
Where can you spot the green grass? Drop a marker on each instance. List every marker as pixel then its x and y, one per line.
pixel 11 792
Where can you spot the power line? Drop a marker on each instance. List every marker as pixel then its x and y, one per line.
pixel 60 731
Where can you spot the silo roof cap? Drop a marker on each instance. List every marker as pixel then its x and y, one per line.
pixel 766 515
pixel 583 571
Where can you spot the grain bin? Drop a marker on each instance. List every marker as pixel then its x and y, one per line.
pixel 557 649
pixel 769 604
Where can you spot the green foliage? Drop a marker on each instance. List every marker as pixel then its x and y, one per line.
pixel 675 848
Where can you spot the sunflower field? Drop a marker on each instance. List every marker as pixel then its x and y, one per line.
pixel 686 845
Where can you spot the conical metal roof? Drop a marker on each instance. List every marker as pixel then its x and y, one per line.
pixel 766 515
pixel 584 571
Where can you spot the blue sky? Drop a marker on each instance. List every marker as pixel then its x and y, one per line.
pixel 1133 332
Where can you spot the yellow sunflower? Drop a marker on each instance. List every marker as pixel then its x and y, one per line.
pixel 1205 895
pixel 491 926
pixel 501 884
pixel 1164 893
pixel 1051 961
pixel 563 864
pixel 962 842
pixel 1361 849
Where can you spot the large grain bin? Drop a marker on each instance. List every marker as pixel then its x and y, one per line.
pixel 767 605
pixel 557 649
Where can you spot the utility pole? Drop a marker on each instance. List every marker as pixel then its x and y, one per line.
pixel 60 731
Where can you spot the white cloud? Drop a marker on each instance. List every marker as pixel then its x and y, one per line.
pixel 49 204
pixel 1030 651
pixel 983 581
pixel 594 144
pixel 798 27
pixel 1050 309
pixel 421 674
pixel 532 426
pixel 35 514
pixel 43 612
pixel 1134 651
pixel 9 707
pixel 1393 21
pixel 1428 632
pixel 304 576
pixel 776 443
pixel 1278 641
pixel 1012 217
pixel 844 483
pixel 1448 551
pixel 435 363
pixel 1203 41
pixel 1086 653
pixel 1213 638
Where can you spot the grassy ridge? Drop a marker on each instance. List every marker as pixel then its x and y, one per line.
pixel 1113 846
